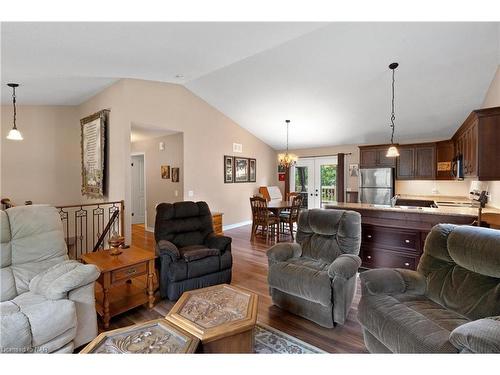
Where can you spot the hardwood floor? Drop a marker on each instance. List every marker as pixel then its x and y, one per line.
pixel 250 272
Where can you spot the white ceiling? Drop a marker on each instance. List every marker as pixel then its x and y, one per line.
pixel 330 80
pixel 143 132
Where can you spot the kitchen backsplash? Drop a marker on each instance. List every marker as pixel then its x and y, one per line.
pixel 421 187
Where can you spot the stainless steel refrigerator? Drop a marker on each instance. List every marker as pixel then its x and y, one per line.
pixel 376 185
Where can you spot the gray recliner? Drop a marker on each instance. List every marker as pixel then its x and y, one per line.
pixel 316 276
pixel 47 301
pixel 450 304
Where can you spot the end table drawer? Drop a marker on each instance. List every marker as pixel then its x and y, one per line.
pixel 128 272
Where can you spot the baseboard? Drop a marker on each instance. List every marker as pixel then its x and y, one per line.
pixel 236 225
pixel 150 229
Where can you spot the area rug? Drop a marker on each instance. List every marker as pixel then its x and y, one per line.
pixel 269 340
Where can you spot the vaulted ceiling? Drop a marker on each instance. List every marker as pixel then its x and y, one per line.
pixel 330 79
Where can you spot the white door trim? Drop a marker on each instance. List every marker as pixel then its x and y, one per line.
pixel 145 186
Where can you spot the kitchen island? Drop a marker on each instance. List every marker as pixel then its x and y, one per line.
pixel 394 236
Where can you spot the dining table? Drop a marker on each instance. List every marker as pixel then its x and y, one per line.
pixel 276 207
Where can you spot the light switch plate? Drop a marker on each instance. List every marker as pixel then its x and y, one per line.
pixel 162 146
pixel 190 193
pixel 237 147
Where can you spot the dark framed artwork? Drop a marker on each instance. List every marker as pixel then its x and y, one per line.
pixel 252 173
pixel 228 169
pixel 165 172
pixel 175 174
pixel 241 169
pixel 94 155
pixel 281 168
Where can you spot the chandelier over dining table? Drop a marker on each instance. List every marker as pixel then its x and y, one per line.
pixel 287 160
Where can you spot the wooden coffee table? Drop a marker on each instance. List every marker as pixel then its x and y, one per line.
pixel 122 289
pixel 223 317
pixel 156 336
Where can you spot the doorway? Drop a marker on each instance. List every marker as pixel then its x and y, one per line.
pixel 316 179
pixel 138 189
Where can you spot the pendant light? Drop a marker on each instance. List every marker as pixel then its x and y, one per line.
pixel 287 160
pixel 392 152
pixel 14 134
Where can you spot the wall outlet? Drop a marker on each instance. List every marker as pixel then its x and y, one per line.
pixel 176 193
pixel 435 191
pixel 190 193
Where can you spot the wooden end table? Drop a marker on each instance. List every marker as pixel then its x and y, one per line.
pixel 223 317
pixel 121 290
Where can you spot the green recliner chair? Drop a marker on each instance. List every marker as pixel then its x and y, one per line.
pixel 451 304
pixel 316 276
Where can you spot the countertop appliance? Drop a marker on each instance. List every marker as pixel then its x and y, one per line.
pixel 376 185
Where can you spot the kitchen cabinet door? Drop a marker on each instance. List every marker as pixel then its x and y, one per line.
pixel 425 162
pixel 405 164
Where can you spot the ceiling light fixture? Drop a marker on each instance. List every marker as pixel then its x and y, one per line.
pixel 14 134
pixel 287 160
pixel 392 152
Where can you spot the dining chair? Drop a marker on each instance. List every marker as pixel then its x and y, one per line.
pixel 290 217
pixel 262 217
pixel 292 194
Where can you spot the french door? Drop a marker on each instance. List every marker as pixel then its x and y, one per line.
pixel 316 179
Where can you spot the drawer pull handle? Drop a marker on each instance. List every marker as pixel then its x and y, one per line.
pixel 369 236
pixel 407 241
pixel 131 271
pixel 369 257
pixel 407 264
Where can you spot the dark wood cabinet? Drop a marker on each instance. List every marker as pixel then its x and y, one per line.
pixel 416 162
pixel 445 152
pixel 374 157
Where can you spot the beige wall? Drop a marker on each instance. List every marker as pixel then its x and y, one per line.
pixel 208 135
pixel 160 190
pixel 492 99
pixel 44 167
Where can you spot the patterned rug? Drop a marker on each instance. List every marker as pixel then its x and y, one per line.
pixel 269 340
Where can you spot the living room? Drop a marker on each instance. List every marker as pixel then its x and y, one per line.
pixel 294 185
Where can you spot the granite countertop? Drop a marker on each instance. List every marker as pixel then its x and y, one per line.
pixel 443 210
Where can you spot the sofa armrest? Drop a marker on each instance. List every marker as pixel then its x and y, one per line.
pixel 345 266
pixel 283 251
pixel 479 336
pixel 222 243
pixel 390 281
pixel 57 281
pixel 164 247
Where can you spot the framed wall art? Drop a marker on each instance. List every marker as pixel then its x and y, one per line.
pixel 228 169
pixel 175 174
pixel 241 169
pixel 165 172
pixel 252 174
pixel 94 156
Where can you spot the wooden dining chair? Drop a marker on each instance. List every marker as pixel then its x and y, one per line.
pixel 262 217
pixel 289 218
pixel 292 194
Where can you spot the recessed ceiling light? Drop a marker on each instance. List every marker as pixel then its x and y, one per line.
pixel 179 76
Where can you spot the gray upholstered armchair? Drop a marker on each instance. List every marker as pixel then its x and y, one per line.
pixel 450 304
pixel 316 276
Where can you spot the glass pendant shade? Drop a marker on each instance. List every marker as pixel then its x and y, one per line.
pixel 15 135
pixel 392 152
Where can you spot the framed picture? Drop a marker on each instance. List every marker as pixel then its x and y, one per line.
pixel 94 157
pixel 281 169
pixel 252 174
pixel 165 172
pixel 241 169
pixel 228 169
pixel 354 170
pixel 175 174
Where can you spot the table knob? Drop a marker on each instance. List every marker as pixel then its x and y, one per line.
pixel 369 257
pixel 407 241
pixel 407 264
pixel 369 236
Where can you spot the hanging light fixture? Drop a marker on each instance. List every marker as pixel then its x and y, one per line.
pixel 287 160
pixel 14 134
pixel 392 152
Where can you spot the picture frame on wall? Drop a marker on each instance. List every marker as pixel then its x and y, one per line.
pixel 252 174
pixel 175 174
pixel 93 154
pixel 228 169
pixel 241 169
pixel 165 172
